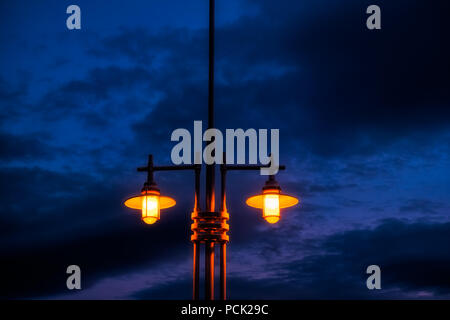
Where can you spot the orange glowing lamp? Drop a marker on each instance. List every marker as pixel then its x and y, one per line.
pixel 271 200
pixel 150 202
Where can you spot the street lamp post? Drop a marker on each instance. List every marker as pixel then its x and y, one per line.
pixel 209 226
pixel 210 184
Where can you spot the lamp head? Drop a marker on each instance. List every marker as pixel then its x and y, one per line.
pixel 150 202
pixel 271 200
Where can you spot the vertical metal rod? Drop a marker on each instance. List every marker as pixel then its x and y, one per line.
pixel 197 189
pixel 209 270
pixel 210 169
pixel 223 271
pixel 196 260
pixel 223 245
pixel 150 169
pixel 210 174
pixel 211 64
pixel 210 196
pixel 223 194
pixel 196 272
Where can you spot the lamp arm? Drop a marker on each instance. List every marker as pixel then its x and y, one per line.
pixel 150 168
pixel 224 167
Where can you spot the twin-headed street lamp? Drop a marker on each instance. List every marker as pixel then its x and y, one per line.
pixel 150 202
pixel 210 226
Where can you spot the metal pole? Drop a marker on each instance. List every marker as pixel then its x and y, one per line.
pixel 223 193
pixel 223 245
pixel 197 189
pixel 223 271
pixel 196 273
pixel 211 63
pixel 210 174
pixel 210 196
pixel 196 258
pixel 150 169
pixel 209 270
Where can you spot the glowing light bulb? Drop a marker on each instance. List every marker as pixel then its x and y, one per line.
pixel 271 209
pixel 150 209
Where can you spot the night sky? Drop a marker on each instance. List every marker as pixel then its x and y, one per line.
pixel 364 119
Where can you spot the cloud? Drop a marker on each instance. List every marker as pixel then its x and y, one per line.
pixel 11 99
pixel 23 147
pixel 52 220
pixel 415 261
pixel 99 85
pixel 421 205
pixel 373 89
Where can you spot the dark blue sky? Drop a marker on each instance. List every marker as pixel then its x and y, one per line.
pixel 364 119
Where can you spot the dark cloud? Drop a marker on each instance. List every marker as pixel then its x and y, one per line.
pixel 414 261
pixel 352 91
pixel 330 187
pixel 179 290
pixel 422 206
pixel 10 93
pixel 329 82
pixel 71 219
pixel 151 49
pixel 99 86
pixel 11 99
pixel 23 147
